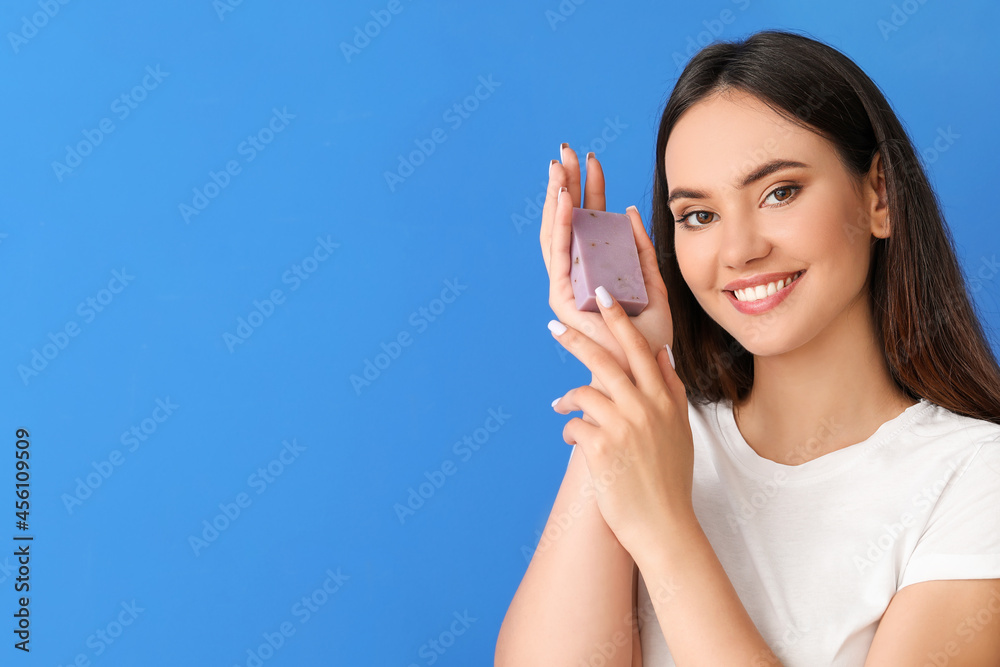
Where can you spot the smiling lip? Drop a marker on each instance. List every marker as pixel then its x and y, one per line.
pixel 767 303
pixel 759 279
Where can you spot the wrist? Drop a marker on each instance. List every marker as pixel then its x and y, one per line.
pixel 675 538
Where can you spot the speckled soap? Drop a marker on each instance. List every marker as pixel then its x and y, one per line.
pixel 602 252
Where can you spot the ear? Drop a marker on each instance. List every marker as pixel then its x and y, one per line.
pixel 877 202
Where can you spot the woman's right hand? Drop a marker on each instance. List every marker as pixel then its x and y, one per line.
pixel 654 321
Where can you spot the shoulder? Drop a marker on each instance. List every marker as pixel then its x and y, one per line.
pixel 937 419
pixel 703 414
pixel 937 430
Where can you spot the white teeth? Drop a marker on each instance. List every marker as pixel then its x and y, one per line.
pixel 762 291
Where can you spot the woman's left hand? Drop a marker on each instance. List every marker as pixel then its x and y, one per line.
pixel 637 441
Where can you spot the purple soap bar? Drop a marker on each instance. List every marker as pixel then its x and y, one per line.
pixel 602 252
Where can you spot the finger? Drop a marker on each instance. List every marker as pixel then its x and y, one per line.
pixel 577 430
pixel 557 179
pixel 651 276
pixel 588 400
pixel 571 164
pixel 669 374
pixel 597 359
pixel 640 359
pixel 593 197
pixel 666 363
pixel 587 418
pixel 560 288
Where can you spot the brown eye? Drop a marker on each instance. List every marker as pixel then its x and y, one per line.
pixel 783 195
pixel 699 219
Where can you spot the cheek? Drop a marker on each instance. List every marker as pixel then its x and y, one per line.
pixel 697 263
pixel 839 233
pixel 691 261
pixel 816 233
pixel 834 219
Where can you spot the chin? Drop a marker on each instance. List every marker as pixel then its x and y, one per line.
pixel 770 333
pixel 763 348
pixel 763 337
pixel 763 340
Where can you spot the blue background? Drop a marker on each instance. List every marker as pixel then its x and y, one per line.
pixel 463 217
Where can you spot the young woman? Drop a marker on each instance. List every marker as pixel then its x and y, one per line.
pixel 818 481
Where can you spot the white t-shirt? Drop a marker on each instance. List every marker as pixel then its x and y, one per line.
pixel 817 550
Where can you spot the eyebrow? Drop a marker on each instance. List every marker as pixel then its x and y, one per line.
pixel 758 173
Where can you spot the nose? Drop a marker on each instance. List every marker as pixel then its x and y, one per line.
pixel 741 240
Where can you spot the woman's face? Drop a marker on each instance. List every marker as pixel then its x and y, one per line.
pixel 811 218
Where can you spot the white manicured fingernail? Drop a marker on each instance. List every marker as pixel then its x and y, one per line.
pixel 671 355
pixel 557 327
pixel 556 401
pixel 603 296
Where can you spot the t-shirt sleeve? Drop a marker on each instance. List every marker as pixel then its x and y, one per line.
pixel 962 537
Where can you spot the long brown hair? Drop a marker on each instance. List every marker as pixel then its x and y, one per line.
pixel 931 336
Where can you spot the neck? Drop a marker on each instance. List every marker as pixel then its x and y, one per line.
pixel 830 393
